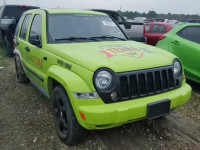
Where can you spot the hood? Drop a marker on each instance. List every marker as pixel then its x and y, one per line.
pixel 119 56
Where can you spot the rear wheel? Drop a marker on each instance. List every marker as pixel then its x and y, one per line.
pixel 21 76
pixel 67 126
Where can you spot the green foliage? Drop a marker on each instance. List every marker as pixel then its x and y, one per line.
pixel 153 14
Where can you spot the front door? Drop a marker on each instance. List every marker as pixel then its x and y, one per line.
pixel 35 52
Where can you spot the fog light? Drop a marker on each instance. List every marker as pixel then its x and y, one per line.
pixel 114 96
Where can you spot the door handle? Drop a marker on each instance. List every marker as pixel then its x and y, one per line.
pixel 45 58
pixel 176 42
pixel 27 49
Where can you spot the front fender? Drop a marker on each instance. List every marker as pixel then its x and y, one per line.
pixel 69 80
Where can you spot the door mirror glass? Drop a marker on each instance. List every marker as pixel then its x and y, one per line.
pixel 35 40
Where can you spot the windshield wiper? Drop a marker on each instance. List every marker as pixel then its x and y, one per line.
pixel 111 37
pixel 76 38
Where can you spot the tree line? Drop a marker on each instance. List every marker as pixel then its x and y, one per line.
pixel 153 14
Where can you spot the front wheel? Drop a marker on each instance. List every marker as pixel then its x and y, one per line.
pixel 67 126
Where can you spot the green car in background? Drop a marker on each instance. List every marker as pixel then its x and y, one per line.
pixel 184 42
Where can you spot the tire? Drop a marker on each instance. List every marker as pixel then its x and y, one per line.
pixel 8 48
pixel 67 127
pixel 21 76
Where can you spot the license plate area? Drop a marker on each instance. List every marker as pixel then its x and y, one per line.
pixel 158 109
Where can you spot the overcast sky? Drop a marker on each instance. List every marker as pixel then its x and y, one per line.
pixel 160 6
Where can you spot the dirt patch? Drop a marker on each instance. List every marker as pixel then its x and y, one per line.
pixel 26 123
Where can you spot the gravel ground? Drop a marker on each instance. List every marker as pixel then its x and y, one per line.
pixel 26 123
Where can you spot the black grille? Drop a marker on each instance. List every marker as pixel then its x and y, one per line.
pixel 147 82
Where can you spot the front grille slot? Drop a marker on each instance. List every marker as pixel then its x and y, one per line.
pixel 158 83
pixel 133 86
pixel 124 87
pixel 147 82
pixel 150 82
pixel 171 78
pixel 142 84
pixel 165 79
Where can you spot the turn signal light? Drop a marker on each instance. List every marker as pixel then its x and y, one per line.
pixel 83 116
pixel 162 38
pixel 183 76
pixel 23 6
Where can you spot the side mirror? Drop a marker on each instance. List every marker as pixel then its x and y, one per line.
pixel 35 40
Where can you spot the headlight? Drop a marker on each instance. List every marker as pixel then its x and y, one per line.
pixel 103 80
pixel 177 68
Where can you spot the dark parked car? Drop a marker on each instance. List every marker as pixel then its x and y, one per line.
pixel 9 17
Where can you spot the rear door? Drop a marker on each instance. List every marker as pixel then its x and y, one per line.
pixel 186 45
pixel 155 33
pixel 22 40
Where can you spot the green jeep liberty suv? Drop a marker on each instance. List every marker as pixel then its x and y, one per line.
pixel 94 76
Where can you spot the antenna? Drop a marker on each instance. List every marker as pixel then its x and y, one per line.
pixel 37 2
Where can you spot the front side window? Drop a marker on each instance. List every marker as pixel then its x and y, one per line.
pixel 158 29
pixel 25 26
pixel 82 28
pixel 191 34
pixel 36 27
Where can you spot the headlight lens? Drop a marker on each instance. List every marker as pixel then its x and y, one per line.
pixel 177 68
pixel 103 80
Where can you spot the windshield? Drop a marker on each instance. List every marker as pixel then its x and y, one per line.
pixel 82 28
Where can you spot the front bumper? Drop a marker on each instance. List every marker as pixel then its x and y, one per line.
pixel 111 115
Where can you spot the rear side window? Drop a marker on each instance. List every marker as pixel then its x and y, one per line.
pixel 191 34
pixel 147 27
pixel 15 11
pixel 18 26
pixel 158 29
pixel 36 27
pixel 25 26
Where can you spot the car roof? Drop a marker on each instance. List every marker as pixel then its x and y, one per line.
pixel 189 24
pixel 69 11
pixel 104 10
